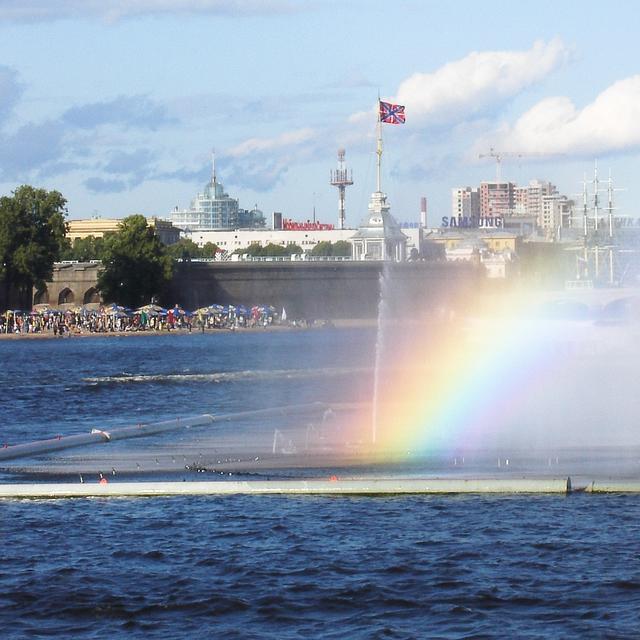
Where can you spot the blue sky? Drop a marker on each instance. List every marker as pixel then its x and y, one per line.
pixel 118 104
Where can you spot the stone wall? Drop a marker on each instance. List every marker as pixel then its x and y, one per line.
pixel 72 283
pixel 312 290
pixel 317 289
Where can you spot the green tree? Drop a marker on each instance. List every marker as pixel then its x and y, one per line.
pixel 184 249
pixel 32 238
pixel 255 250
pixel 136 264
pixel 324 248
pixel 342 248
pixel 209 250
pixel 85 249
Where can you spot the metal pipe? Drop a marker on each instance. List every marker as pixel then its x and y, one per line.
pixel 98 436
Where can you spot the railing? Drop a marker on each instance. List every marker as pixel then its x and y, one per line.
pixel 578 284
pixel 294 258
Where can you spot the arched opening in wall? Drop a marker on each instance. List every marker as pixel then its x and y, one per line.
pixel 41 296
pixel 91 295
pixel 66 296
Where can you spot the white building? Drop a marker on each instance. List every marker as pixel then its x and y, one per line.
pixel 232 240
pixel 465 202
pixel 212 209
pixel 556 212
pixel 215 209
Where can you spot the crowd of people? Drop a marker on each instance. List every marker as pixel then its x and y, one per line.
pixel 116 319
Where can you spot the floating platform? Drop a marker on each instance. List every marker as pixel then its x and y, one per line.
pixel 339 487
pixel 613 486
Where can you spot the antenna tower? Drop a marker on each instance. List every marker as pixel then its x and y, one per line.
pixel 341 178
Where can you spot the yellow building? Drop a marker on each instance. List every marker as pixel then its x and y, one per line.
pixel 97 227
pixel 494 240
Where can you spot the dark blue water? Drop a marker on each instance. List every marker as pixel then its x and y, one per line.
pixel 284 567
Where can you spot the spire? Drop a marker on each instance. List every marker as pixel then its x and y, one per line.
pixel 213 165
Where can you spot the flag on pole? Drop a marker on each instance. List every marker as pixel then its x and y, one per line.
pixel 391 113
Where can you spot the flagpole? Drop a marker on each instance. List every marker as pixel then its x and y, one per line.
pixel 379 147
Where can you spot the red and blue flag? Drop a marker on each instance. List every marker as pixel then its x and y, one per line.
pixel 391 113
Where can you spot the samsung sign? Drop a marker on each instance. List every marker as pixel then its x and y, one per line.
pixel 473 222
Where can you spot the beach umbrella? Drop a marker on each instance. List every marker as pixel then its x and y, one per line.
pixel 43 307
pixel 151 313
pixel 113 307
pixel 241 310
pixel 151 308
pixel 118 313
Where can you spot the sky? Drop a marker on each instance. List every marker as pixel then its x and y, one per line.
pixel 118 104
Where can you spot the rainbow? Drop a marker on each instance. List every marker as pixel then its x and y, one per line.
pixel 450 385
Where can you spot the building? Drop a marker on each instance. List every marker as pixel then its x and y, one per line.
pixel 231 241
pixel 215 209
pixel 98 227
pixel 556 213
pixel 379 236
pixel 536 209
pixel 496 198
pixel 496 241
pixel 465 202
pixel 494 249
pixel 306 236
pixel 211 209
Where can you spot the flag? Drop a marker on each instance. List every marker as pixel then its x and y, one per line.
pixel 391 113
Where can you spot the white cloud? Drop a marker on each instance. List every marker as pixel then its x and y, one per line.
pixel 113 10
pixel 555 125
pixel 290 139
pixel 473 84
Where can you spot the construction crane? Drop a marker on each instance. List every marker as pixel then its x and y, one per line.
pixel 498 155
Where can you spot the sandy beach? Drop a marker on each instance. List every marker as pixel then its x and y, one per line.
pixel 48 335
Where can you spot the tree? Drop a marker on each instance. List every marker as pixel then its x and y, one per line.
pixel 184 249
pixel 32 238
pixel 326 248
pixel 342 248
pixel 136 264
pixel 85 249
pixel 209 250
pixel 270 251
pixel 322 249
